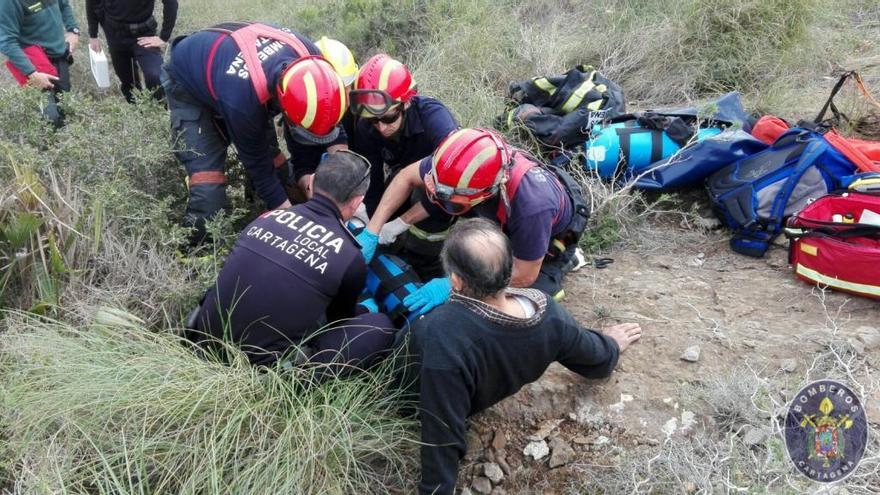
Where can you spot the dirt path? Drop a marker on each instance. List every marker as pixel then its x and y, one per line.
pixel 688 291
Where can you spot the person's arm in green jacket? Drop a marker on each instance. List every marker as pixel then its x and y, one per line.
pixel 10 28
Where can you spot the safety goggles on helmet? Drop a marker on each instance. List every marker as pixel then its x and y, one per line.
pixel 366 102
pixel 389 117
pixel 455 201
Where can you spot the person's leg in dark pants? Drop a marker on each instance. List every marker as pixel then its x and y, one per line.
pixel 150 62
pixel 549 280
pixel 122 55
pixel 201 148
pixel 358 342
pixel 51 111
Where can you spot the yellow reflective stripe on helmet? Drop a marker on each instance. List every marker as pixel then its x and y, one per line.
pixel 311 100
pixel 543 84
pixel 577 96
pixel 293 69
pixel 836 282
pixel 428 236
pixel 343 105
pixel 442 149
pixel 474 165
pixel 386 74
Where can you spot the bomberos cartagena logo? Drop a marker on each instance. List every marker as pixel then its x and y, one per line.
pixel 826 431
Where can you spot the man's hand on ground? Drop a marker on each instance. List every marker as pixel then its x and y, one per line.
pixel 42 80
pixel 625 334
pixel 72 40
pixel 429 296
pixel 151 42
pixel 95 45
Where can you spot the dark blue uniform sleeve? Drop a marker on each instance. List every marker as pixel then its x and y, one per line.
pixel 252 135
pixel 437 121
pixel 343 305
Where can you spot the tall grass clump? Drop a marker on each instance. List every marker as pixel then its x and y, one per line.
pixel 114 408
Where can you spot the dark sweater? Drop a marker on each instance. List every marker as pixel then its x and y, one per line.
pixel 130 12
pixel 472 357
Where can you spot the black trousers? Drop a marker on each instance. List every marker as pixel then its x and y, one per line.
pixel 130 60
pixel 51 111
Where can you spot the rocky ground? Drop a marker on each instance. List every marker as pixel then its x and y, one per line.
pixel 709 315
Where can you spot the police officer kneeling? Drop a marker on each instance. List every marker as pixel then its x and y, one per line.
pixel 295 275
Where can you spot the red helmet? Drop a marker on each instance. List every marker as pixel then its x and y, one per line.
pixel 381 83
pixel 313 99
pixel 467 168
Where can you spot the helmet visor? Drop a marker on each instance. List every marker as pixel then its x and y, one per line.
pixel 455 201
pixel 370 102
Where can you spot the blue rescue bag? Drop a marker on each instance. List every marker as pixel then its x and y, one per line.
pixel 753 196
pixel 666 149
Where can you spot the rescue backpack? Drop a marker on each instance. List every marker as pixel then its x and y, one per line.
pixel 835 242
pixel 560 110
pixel 754 195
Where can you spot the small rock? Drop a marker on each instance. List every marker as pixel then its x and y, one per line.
pixel 582 440
pixel 501 460
pixel 475 446
pixel 870 337
pixel 537 450
pixel 493 472
pixel 697 261
pixel 572 416
pixel 562 453
pixel 755 436
pixel 601 440
pixel 788 365
pixel 688 419
pixel 857 345
pixel 670 426
pixel 482 485
pixel 691 354
pixel 499 441
pixel 544 429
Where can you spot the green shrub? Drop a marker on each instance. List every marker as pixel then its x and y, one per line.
pixel 110 407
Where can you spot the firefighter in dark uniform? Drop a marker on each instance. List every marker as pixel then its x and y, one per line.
pixel 296 270
pixel 133 39
pixel 225 85
pixel 395 128
pixel 475 172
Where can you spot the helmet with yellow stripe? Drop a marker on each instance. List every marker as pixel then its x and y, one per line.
pixel 382 83
pixel 313 100
pixel 469 167
pixel 340 57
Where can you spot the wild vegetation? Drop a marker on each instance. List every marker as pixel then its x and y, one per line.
pixel 99 393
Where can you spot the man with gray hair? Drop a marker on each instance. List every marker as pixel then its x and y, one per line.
pixel 487 342
pixel 296 270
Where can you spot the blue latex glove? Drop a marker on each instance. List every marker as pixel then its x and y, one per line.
pixel 369 242
pixel 430 295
